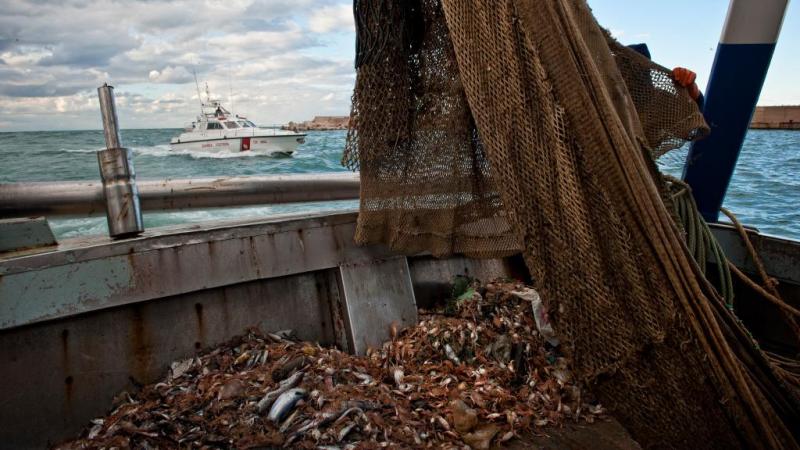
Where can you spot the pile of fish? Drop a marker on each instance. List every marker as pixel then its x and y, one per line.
pixel 478 371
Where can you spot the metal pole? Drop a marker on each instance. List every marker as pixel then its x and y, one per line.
pixel 85 198
pixel 123 212
pixel 108 111
pixel 737 76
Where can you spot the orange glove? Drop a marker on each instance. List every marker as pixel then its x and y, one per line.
pixel 685 77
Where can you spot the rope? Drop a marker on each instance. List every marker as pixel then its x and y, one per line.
pixel 699 239
pixel 770 293
pixel 701 242
pixel 763 292
pixel 769 282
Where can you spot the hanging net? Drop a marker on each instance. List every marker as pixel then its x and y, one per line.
pixel 493 128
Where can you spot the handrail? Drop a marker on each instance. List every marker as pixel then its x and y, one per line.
pixel 86 197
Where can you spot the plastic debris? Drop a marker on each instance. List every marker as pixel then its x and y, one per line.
pixel 539 314
pixel 478 375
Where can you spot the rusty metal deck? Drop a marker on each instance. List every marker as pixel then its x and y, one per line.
pixel 89 318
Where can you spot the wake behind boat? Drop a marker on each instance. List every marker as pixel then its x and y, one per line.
pixel 218 130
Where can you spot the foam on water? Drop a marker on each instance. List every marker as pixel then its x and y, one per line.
pixel 764 193
pixel 164 150
pixel 74 227
pixel 81 150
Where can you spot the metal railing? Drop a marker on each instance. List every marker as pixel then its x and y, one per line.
pixel 86 198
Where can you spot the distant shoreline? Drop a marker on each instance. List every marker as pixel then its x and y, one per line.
pixel 320 123
pixel 776 118
pixel 784 117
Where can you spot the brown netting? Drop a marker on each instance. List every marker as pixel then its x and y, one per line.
pixel 487 128
pixel 425 182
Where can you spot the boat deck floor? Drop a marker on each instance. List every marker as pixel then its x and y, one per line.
pixel 603 435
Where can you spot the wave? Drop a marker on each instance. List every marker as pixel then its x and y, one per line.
pixel 81 150
pixel 164 150
pixel 64 228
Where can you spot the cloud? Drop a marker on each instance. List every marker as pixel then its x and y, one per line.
pixel 171 74
pixel 332 18
pixel 278 57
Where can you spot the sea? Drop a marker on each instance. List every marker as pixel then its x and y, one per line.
pixel 764 192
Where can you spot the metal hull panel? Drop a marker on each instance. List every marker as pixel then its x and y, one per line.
pixel 268 145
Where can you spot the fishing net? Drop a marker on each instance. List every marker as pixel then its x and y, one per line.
pixel 490 128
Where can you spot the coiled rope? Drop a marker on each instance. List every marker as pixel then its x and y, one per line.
pixel 702 244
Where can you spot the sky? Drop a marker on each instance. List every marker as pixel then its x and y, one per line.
pixel 272 60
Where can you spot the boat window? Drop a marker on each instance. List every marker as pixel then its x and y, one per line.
pixel 214 126
pixel 251 124
pixel 244 124
pixel 231 124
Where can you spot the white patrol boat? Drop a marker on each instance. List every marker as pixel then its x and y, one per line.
pixel 218 130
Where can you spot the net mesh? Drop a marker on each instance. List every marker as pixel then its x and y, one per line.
pixel 490 128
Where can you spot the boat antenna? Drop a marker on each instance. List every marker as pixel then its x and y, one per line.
pixel 230 88
pixel 197 85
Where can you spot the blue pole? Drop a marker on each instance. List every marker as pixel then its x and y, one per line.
pixel 740 66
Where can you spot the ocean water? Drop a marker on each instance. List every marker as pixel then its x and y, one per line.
pixel 71 155
pixel 765 189
pixel 764 193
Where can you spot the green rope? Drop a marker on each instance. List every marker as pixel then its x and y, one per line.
pixel 702 244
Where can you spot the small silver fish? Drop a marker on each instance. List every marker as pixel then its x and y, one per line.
pixel 289 421
pixel 345 431
pixel 451 355
pixel 285 404
pixel 283 386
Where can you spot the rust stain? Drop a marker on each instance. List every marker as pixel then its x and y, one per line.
pixel 139 354
pixel 68 381
pixel 201 333
pixel 337 243
pixel 322 296
pixel 65 365
pixel 340 332
pixel 254 256
pixel 225 313
pixel 302 241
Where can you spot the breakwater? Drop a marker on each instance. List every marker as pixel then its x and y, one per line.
pixel 776 118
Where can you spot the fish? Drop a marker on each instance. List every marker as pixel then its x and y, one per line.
pixel 283 386
pixel 285 404
pixel 291 366
pixel 451 355
pixel 345 431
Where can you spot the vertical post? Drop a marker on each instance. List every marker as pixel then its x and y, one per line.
pixel 740 66
pixel 123 211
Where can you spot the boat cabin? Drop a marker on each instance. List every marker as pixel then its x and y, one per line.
pixel 219 119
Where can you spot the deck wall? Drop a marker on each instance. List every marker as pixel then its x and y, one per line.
pixel 83 322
